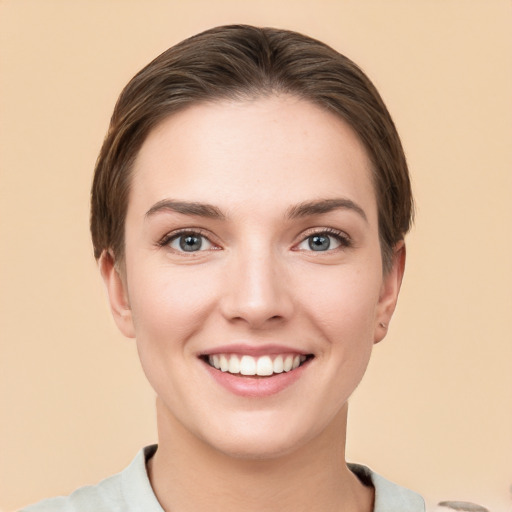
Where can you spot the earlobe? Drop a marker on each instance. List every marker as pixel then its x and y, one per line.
pixel 117 294
pixel 390 289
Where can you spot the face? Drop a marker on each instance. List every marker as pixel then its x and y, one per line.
pixel 252 279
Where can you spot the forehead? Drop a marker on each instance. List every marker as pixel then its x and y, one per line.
pixel 271 147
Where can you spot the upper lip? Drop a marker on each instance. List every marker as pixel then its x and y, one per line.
pixel 253 350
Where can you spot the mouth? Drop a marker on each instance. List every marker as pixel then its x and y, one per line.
pixel 261 366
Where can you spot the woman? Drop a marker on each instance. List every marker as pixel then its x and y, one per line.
pixel 249 207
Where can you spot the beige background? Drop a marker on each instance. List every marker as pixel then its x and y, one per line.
pixel 435 410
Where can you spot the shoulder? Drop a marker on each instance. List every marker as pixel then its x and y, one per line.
pixel 127 491
pixel 389 497
pixel 102 497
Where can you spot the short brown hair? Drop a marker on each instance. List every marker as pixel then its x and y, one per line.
pixel 238 62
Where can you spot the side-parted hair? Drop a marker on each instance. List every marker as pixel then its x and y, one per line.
pixel 241 62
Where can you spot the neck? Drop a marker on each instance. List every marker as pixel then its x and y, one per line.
pixel 188 475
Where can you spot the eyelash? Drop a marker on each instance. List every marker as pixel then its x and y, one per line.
pixel 342 238
pixel 175 235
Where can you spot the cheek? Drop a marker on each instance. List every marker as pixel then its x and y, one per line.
pixel 168 309
pixel 342 299
pixel 167 305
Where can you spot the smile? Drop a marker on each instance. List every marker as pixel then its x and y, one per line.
pixel 263 366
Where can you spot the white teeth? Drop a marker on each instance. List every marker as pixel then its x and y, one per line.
pixel 249 365
pixel 234 365
pixel 278 364
pixel 224 364
pixel 264 366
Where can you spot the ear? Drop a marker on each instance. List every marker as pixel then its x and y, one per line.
pixel 390 289
pixel 117 294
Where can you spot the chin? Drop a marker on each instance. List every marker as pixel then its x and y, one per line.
pixel 263 447
pixel 261 438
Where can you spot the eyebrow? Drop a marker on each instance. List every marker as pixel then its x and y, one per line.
pixel 305 209
pixel 186 208
pixel 320 206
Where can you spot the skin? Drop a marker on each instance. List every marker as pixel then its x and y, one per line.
pixel 256 281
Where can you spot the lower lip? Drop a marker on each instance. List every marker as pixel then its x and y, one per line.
pixel 254 386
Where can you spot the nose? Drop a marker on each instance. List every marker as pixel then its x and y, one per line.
pixel 257 290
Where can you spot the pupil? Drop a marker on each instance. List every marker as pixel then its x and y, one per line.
pixel 190 243
pixel 319 243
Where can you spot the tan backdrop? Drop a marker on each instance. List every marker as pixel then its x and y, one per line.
pixel 435 410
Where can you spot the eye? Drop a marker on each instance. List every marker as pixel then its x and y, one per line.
pixel 323 241
pixel 188 242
